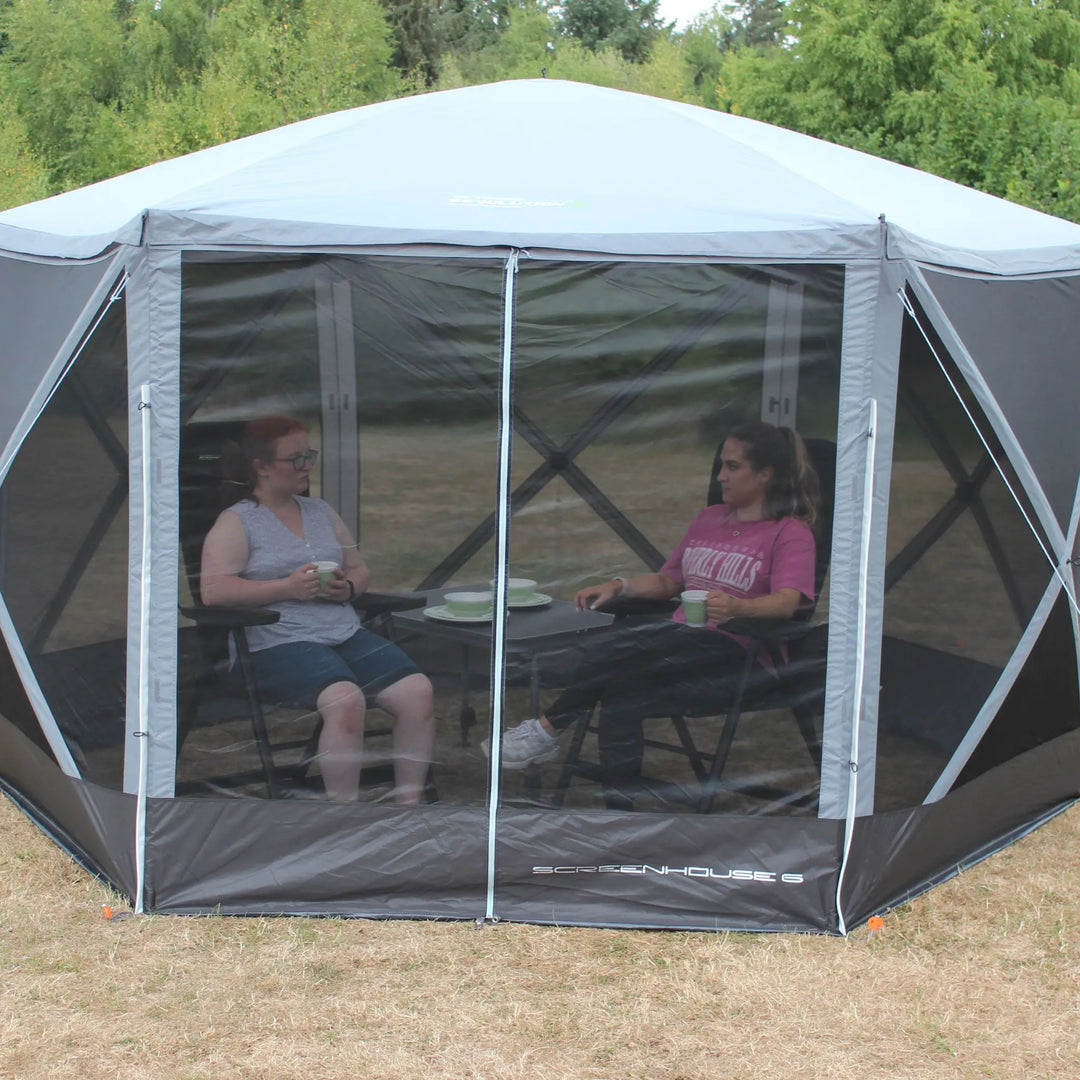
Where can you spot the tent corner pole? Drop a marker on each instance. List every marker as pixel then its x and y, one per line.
pixel 860 658
pixel 142 733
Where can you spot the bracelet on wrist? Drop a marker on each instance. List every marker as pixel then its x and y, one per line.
pixel 622 585
pixel 352 591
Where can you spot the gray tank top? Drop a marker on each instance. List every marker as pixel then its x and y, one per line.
pixel 275 551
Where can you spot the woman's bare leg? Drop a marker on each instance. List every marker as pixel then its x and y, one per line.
pixel 409 701
pixel 341 743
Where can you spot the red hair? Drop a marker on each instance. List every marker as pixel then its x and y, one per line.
pixel 257 443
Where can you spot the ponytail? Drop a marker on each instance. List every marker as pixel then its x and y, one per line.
pixel 794 490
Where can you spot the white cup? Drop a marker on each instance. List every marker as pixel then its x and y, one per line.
pixel 468 604
pixel 325 570
pixel 693 605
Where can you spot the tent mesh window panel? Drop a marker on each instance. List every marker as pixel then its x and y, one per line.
pixel 15 706
pixel 619 414
pixel 964 576
pixel 392 363
pixel 1043 703
pixel 64 538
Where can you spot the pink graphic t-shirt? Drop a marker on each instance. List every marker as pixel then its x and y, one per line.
pixel 743 559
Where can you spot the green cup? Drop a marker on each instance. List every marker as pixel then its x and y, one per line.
pixel 325 570
pixel 693 605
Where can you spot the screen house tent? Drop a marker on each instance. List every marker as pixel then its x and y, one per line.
pixel 517 320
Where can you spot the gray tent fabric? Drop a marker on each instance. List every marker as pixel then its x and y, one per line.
pixel 1001 328
pixel 753 190
pixel 513 367
pixel 42 307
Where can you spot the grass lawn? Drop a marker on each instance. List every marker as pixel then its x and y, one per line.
pixel 977 979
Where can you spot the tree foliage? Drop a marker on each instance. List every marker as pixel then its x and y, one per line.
pixel 532 46
pixel 985 92
pixel 629 27
pixel 427 31
pixel 22 177
pixel 102 86
pixel 756 24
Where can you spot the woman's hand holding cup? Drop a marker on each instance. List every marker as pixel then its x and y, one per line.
pixel 303 583
pixel 336 587
pixel 720 606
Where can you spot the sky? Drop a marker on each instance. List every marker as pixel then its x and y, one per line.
pixel 682 10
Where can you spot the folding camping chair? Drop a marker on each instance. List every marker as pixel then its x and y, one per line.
pixel 799 686
pixel 202 447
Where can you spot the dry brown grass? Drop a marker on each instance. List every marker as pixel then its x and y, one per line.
pixel 977 979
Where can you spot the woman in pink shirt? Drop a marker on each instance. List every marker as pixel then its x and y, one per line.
pixel 753 555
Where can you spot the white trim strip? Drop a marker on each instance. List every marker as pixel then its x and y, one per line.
pixel 143 732
pixel 49 726
pixel 1070 546
pixel 1001 690
pixel 502 554
pixel 860 658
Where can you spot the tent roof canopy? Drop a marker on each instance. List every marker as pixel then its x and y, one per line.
pixel 547 164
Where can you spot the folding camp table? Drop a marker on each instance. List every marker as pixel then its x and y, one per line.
pixel 531 635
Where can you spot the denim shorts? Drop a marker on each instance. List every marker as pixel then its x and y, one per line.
pixel 299 671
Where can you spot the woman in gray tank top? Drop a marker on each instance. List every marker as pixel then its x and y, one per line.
pixel 261 552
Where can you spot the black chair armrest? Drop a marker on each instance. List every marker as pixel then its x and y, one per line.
pixel 774 635
pixel 623 607
pixel 372 604
pixel 230 618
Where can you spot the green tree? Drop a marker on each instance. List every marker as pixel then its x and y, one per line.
pixel 756 24
pixel 522 50
pixel 337 58
pixel 984 92
pixel 530 46
pixel 703 43
pixel 22 178
pixel 628 26
pixel 425 30
pixel 66 79
pixel 99 87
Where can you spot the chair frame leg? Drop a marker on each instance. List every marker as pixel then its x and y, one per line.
pixel 693 754
pixel 804 717
pixel 571 765
pixel 712 782
pixel 258 719
pixel 709 778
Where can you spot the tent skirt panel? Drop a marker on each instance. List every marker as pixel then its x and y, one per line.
pixel 296 857
pixel 658 871
pixel 898 855
pixel 91 823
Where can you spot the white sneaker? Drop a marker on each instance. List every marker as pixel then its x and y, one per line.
pixel 526 744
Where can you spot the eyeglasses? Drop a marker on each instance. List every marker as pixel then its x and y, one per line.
pixel 300 459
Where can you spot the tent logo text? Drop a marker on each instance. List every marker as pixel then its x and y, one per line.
pixel 708 872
